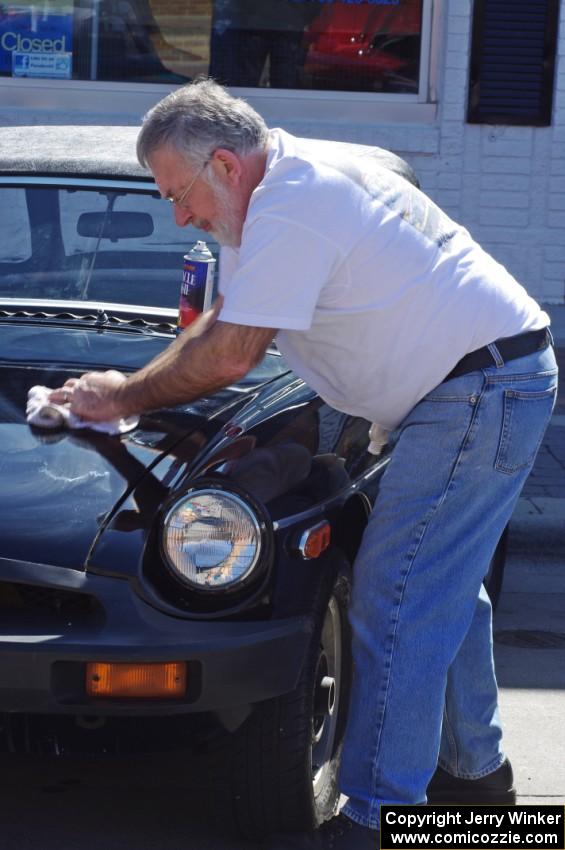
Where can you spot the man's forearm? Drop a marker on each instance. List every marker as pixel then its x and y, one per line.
pixel 194 366
pixel 198 327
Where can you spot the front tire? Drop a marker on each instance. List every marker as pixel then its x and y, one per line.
pixel 282 773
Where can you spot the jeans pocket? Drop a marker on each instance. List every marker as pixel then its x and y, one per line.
pixel 526 415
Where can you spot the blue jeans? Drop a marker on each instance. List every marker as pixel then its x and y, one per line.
pixel 424 686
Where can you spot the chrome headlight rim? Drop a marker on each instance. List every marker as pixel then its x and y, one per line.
pixel 260 566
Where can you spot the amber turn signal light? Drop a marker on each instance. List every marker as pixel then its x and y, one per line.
pixel 137 681
pixel 315 540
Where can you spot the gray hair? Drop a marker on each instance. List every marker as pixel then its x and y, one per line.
pixel 197 119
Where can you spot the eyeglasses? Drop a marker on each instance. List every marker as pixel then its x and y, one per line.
pixel 183 195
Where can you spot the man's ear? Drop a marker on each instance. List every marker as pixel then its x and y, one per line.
pixel 227 165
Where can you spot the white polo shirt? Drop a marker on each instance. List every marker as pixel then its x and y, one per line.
pixel 376 293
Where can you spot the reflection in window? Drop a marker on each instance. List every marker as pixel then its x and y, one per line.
pixel 365 47
pixel 255 43
pixel 15 236
pixel 356 45
pixel 122 40
pixel 369 45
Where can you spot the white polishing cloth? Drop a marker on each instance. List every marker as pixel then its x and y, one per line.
pixel 44 414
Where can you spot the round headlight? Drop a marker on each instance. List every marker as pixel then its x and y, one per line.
pixel 211 539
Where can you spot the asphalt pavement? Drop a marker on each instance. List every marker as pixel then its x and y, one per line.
pixel 530 619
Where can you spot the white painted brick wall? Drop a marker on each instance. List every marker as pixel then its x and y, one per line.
pixel 505 184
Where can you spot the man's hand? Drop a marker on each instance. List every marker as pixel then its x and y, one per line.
pixel 94 396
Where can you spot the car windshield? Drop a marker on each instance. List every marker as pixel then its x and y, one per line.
pixel 91 243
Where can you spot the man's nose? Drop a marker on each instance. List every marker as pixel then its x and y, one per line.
pixel 183 216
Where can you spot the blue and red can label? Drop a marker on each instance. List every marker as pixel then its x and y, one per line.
pixel 197 284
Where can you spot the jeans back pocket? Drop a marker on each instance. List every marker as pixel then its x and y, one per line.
pixel 526 416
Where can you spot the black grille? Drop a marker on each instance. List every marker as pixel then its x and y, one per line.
pixel 34 604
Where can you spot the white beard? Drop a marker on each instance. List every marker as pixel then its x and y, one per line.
pixel 227 229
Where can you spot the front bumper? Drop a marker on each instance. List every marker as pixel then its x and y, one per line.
pixel 43 652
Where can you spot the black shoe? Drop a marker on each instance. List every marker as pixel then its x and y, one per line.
pixel 494 788
pixel 342 833
pixel 338 833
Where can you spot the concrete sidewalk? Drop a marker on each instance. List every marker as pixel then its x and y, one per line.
pixel 530 620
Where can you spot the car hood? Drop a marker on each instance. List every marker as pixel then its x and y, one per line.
pixel 60 487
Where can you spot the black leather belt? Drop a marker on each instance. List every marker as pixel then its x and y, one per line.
pixel 509 348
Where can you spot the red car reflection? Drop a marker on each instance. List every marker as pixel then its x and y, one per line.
pixel 366 47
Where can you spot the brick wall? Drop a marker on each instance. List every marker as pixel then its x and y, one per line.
pixel 506 184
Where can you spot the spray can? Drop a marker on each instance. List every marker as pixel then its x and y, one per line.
pixel 197 284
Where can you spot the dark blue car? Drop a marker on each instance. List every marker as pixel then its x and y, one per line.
pixel 193 573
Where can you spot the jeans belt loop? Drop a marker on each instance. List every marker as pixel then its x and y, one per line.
pixel 496 355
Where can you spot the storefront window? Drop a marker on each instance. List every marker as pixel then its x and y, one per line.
pixel 339 45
